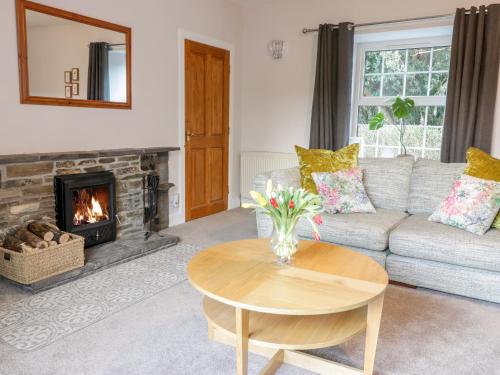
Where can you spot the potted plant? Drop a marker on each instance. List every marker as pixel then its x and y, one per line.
pixel 285 206
pixel 401 109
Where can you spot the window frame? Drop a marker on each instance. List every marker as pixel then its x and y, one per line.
pixel 358 76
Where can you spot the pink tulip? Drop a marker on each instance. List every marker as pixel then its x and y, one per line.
pixel 291 204
pixel 318 220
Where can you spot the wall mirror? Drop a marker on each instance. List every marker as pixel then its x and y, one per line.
pixel 73 60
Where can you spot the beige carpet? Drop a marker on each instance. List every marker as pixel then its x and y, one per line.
pixel 422 332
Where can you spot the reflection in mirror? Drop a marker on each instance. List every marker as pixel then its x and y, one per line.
pixel 96 56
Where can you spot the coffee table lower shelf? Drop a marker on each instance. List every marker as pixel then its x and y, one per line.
pixel 280 336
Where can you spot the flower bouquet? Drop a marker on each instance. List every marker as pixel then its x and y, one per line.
pixel 285 206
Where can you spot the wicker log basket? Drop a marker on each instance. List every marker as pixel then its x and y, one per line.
pixel 31 266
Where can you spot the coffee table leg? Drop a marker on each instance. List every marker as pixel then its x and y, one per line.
pixel 242 320
pixel 372 329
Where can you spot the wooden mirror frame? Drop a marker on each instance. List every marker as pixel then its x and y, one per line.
pixel 26 98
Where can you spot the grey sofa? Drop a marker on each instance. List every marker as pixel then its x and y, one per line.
pixel 399 236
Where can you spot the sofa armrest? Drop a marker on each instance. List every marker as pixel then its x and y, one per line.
pixel 260 181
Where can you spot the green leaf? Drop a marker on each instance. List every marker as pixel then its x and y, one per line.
pixel 377 121
pixel 402 108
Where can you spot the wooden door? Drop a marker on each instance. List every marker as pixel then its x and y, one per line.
pixel 207 129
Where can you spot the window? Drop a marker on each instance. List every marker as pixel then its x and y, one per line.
pixel 117 66
pixel 412 69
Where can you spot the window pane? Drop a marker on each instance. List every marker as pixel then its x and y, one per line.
pixel 439 83
pixel 433 137
pixel 432 154
pixel 414 136
pixel 373 62
pixel 417 117
pixel 392 85
pixel 369 136
pixel 365 113
pixel 389 116
pixel 371 86
pixel 394 61
pixel 418 59
pixel 441 58
pixel 435 117
pixel 419 72
pixel 416 84
pixel 388 136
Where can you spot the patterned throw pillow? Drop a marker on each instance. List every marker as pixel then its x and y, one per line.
pixel 472 204
pixel 343 191
pixel 317 160
pixel 482 165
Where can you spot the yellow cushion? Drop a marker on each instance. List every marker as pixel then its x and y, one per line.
pixel 484 166
pixel 316 160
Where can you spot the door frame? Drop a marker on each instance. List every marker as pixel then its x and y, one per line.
pixel 182 35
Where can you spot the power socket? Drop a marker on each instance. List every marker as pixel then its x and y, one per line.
pixel 174 200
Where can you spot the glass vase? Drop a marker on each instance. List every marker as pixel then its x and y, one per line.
pixel 284 242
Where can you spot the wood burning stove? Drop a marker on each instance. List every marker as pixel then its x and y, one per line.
pixel 85 205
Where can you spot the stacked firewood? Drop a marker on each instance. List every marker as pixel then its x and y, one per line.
pixel 37 235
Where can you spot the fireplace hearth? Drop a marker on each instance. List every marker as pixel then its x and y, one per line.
pixel 85 205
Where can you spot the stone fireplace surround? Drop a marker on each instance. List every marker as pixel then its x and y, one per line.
pixel 27 192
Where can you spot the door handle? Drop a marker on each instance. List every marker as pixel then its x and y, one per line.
pixel 189 135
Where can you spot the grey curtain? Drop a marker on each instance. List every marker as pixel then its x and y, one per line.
pixel 332 89
pixel 472 86
pixel 98 77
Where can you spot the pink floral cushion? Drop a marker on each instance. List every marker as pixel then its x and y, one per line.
pixel 472 205
pixel 343 191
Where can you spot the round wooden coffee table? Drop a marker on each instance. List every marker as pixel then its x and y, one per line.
pixel 327 295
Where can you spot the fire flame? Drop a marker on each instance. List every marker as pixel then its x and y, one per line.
pixel 88 211
pixel 96 208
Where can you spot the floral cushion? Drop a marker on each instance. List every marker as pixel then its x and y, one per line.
pixel 482 165
pixel 472 204
pixel 343 191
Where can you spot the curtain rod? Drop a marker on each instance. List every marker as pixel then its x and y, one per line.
pixel 305 30
pixel 112 45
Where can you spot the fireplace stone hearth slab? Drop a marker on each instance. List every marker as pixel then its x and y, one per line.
pixel 103 256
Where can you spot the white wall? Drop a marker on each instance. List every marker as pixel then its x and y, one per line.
pixel 153 121
pixel 277 95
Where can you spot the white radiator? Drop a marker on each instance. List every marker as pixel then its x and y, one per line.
pixel 254 162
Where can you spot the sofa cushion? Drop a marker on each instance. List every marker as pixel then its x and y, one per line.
pixel 369 231
pixel 482 165
pixel 472 205
pixel 417 237
pixel 343 192
pixel 387 181
pixel 286 177
pixel 320 160
pixel 431 182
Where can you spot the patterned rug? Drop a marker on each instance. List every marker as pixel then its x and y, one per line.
pixel 41 319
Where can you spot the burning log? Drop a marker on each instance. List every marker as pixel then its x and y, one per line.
pixel 44 228
pixel 41 230
pixel 12 243
pixel 31 239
